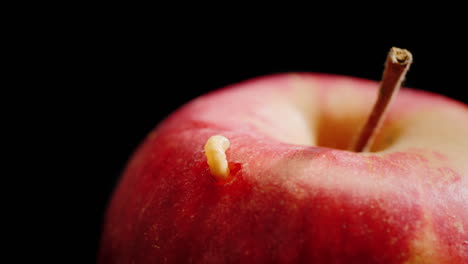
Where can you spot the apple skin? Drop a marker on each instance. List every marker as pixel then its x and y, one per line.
pixel 294 195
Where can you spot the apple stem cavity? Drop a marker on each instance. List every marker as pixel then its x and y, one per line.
pixel 215 151
pixel 396 66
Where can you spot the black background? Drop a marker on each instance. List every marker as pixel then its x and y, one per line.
pixel 119 78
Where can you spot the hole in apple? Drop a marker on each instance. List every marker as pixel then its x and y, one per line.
pixel 234 169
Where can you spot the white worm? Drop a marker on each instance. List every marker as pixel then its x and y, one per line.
pixel 215 151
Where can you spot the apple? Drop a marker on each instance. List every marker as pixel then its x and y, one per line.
pixel 261 172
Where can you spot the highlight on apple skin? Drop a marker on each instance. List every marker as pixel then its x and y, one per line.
pixel 293 192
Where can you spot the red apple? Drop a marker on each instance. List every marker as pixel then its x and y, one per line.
pixel 293 193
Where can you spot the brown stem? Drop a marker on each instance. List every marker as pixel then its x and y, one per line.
pixel 396 66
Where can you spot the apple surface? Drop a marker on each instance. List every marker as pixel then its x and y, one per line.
pixel 294 193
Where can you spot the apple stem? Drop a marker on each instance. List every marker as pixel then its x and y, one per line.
pixel 397 64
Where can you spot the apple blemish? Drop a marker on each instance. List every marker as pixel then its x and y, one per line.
pixel 215 151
